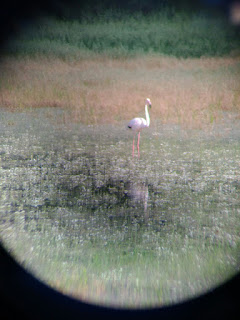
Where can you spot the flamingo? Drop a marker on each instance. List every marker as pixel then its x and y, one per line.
pixel 137 124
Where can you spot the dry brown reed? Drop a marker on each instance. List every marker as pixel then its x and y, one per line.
pixel 192 92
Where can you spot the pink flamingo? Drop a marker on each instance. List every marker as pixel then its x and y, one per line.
pixel 137 124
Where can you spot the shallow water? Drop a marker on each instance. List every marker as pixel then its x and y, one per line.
pixel 85 217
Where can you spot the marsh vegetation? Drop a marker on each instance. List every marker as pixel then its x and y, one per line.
pixel 85 217
pixel 75 208
pixel 191 92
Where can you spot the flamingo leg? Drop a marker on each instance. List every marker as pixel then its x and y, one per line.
pixel 138 144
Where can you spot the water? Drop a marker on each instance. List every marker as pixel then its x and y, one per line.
pixel 84 216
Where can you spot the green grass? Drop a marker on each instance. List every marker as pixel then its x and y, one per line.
pixel 181 267
pixel 122 257
pixel 65 216
pixel 120 35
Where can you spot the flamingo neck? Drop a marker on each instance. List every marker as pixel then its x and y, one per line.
pixel 147 115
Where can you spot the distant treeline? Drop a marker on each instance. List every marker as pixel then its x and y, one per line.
pixel 77 8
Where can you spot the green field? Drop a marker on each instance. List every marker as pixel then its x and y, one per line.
pixel 120 35
pixel 94 223
pixel 75 208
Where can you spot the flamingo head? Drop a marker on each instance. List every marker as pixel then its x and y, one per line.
pixel 148 102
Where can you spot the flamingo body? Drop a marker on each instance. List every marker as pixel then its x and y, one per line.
pixel 137 124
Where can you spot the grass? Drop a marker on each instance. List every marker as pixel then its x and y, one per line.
pixel 190 92
pixel 119 34
pixel 100 68
pixel 65 215
pixel 100 72
pixel 180 267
